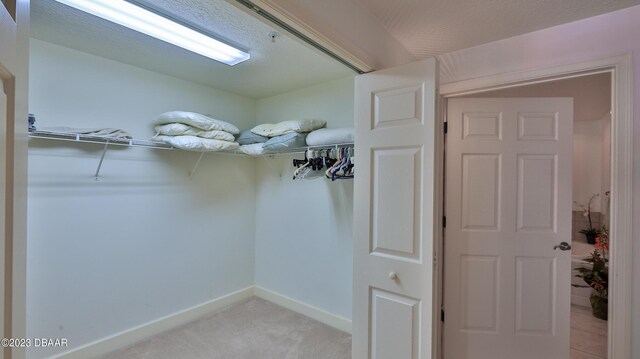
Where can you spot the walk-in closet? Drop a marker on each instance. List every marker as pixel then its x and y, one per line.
pixel 318 179
pixel 138 248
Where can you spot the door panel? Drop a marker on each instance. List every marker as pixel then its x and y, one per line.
pixel 481 192
pixel 398 107
pixel 394 212
pixel 395 321
pixel 538 126
pixel 396 202
pixel 537 193
pixel 535 305
pixel 508 202
pixel 482 125
pixel 479 304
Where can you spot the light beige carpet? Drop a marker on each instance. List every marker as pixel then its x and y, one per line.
pixel 254 329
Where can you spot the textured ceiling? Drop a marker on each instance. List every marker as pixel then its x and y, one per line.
pixel 591 94
pixel 433 27
pixel 274 68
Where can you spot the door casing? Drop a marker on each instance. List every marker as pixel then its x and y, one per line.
pixel 14 42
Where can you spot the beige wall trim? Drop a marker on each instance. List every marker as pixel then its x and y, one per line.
pixel 267 7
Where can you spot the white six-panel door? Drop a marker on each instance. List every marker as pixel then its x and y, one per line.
pixel 394 212
pixel 508 203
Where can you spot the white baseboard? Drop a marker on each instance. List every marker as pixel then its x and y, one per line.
pixel 155 327
pixel 307 310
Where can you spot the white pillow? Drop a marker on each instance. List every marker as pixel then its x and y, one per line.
pixel 330 136
pixel 180 129
pixel 281 128
pixel 199 144
pixel 196 120
pixel 254 149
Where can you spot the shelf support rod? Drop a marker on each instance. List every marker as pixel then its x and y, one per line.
pixel 195 167
pixel 104 152
pixel 268 162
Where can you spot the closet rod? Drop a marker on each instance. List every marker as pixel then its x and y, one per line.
pixel 321 147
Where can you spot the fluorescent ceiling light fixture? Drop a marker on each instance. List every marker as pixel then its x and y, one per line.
pixel 147 22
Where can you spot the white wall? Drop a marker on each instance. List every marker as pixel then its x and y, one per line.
pixel 587 163
pixel 144 241
pixel 591 94
pixel 304 228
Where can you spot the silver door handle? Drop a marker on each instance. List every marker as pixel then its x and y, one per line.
pixel 564 246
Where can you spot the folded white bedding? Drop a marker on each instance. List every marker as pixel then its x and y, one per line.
pixel 98 132
pixel 330 136
pixel 199 144
pixel 254 149
pixel 285 142
pixel 281 128
pixel 196 120
pixel 247 137
pixel 180 129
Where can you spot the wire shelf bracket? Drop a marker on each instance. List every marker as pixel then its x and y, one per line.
pixel 268 159
pixel 104 152
pixel 195 166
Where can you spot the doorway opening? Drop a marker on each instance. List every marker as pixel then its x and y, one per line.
pixel 589 217
pixel 621 199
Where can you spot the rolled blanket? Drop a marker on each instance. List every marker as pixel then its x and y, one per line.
pixel 97 132
pixel 180 129
pixel 327 136
pixel 196 120
pixel 281 128
pixel 254 149
pixel 198 144
pixel 285 142
pixel 247 138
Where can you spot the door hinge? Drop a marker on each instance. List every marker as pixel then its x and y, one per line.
pixel 444 221
pixel 446 127
pixel 442 315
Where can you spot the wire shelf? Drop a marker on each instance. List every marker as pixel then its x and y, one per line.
pixel 103 140
pixel 118 141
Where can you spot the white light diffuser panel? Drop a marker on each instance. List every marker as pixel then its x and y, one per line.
pixel 139 19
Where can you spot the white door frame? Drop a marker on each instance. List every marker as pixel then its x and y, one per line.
pixel 14 69
pixel 621 217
